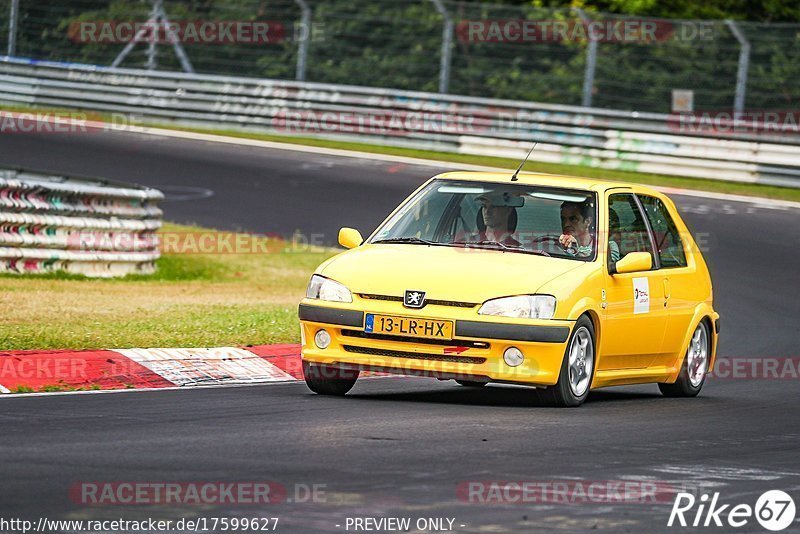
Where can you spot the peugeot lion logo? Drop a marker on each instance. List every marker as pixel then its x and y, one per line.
pixel 414 299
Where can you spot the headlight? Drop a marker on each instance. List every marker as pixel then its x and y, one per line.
pixel 526 306
pixel 326 289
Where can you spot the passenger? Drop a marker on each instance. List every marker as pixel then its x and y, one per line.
pixel 497 218
pixel 614 236
pixel 576 223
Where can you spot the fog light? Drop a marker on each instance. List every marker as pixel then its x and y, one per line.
pixel 322 339
pixel 513 356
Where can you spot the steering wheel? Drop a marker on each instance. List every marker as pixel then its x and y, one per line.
pixel 571 250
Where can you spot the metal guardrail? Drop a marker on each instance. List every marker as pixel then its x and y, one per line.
pixel 78 225
pixel 643 142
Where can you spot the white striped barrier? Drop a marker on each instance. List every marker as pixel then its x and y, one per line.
pixel 643 142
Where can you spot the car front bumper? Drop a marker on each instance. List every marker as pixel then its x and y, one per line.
pixel 474 353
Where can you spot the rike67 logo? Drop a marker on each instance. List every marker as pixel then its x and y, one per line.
pixel 774 510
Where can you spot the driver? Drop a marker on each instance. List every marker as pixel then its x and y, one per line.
pixel 576 222
pixel 498 215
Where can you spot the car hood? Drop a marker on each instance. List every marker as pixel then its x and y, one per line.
pixel 444 273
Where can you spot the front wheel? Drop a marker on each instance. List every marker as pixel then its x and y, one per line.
pixel 577 368
pixel 327 379
pixel 694 369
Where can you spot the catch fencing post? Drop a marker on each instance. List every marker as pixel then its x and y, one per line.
pixel 156 15
pixel 12 28
pixel 302 47
pixel 447 46
pixel 744 64
pixel 591 64
pixel 152 52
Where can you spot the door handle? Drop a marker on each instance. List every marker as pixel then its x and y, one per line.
pixel 666 291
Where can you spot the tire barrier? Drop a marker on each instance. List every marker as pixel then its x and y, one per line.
pixel 77 225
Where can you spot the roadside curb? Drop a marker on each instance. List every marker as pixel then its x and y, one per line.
pixel 104 370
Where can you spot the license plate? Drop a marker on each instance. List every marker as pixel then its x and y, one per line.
pixel 408 326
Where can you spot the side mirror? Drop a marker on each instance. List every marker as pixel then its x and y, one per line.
pixel 350 237
pixel 634 262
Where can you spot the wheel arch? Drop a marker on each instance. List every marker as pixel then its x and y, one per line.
pixel 594 318
pixel 589 308
pixel 703 314
pixel 712 340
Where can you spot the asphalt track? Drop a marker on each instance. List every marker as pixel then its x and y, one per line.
pixel 402 447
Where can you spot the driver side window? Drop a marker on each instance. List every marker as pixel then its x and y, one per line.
pixel 627 229
pixel 421 219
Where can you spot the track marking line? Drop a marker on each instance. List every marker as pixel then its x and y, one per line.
pixel 214 138
pixel 143 390
pixel 228 385
pixel 241 141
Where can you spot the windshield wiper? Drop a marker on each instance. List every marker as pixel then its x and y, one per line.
pixel 538 252
pixel 496 245
pixel 488 243
pixel 501 246
pixel 412 240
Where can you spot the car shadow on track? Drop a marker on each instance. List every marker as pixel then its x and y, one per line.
pixel 499 396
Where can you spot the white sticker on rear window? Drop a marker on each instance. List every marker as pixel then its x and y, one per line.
pixel 641 295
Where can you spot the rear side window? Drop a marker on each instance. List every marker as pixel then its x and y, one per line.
pixel 668 239
pixel 627 228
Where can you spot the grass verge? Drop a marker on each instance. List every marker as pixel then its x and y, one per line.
pixel 193 300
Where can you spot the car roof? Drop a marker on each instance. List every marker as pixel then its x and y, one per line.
pixel 548 180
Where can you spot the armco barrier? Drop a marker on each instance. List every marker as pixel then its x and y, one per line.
pixel 78 225
pixel 644 142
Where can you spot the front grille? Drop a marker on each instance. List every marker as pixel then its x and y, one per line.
pixel 413 355
pixel 435 302
pixel 420 340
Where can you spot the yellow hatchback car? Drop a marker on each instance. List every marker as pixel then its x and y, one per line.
pixel 566 284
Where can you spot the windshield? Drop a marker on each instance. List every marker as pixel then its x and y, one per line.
pixel 509 217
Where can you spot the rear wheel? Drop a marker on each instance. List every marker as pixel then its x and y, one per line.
pixel 577 368
pixel 694 369
pixel 327 379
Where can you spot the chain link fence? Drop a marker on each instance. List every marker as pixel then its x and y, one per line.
pixel 522 53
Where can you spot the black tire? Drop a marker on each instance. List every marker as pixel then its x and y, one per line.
pixel 327 379
pixel 562 393
pixel 471 383
pixel 686 385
